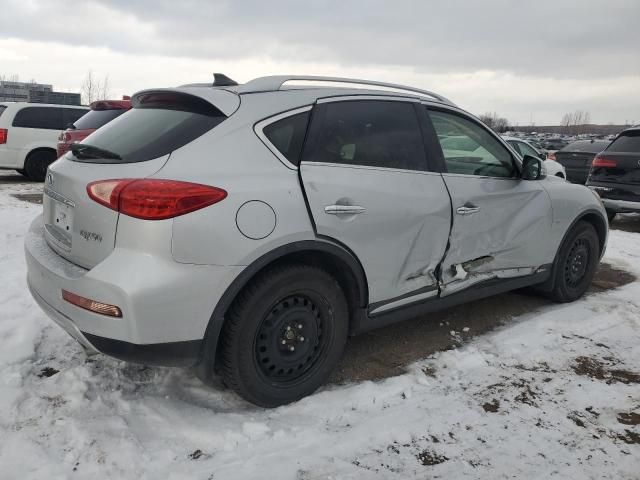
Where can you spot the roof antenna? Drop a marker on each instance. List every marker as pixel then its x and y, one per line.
pixel 221 80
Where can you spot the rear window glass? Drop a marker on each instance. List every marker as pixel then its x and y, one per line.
pixel 2 109
pixel 95 119
pixel 627 142
pixel 156 126
pixel 47 118
pixel 287 135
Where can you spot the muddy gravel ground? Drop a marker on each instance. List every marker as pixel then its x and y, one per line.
pixel 387 351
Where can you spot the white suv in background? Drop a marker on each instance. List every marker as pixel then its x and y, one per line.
pixel 29 135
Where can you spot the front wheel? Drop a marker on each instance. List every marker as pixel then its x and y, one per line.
pixel 576 263
pixel 284 335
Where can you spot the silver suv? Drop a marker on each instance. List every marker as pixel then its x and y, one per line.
pixel 251 228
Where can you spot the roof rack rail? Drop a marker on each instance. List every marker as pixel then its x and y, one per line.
pixel 275 82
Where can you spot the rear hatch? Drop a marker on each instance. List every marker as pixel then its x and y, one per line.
pixel 135 145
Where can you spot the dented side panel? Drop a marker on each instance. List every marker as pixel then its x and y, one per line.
pixel 401 235
pixel 507 236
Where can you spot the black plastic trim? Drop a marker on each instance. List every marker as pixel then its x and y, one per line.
pixel 413 293
pixel 171 354
pixel 485 289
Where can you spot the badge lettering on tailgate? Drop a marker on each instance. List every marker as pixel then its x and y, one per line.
pixel 91 236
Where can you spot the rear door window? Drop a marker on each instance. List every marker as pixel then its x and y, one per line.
pixel 158 124
pixel 374 133
pixel 287 135
pixel 47 118
pixel 627 142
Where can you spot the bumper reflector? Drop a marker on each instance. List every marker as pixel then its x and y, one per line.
pixel 91 305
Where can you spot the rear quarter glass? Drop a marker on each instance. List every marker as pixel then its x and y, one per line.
pixel 156 126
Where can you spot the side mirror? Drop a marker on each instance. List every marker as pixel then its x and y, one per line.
pixel 532 168
pixel 542 155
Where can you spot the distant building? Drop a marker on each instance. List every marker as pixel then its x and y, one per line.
pixel 35 93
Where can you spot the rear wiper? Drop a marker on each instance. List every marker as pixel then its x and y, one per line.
pixel 83 150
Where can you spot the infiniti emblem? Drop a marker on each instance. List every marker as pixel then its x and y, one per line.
pixel 50 179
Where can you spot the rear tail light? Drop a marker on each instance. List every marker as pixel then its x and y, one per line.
pixel 4 134
pixel 551 156
pixel 91 305
pixel 604 162
pixel 153 199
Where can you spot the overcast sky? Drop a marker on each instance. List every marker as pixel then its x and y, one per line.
pixel 527 60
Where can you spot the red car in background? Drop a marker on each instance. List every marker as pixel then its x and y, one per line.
pixel 101 113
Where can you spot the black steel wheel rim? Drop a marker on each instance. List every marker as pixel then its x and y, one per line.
pixel 291 338
pixel 577 262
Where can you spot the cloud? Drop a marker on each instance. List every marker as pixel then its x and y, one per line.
pixel 521 59
pixel 567 38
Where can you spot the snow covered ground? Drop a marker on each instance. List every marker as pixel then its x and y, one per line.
pixel 554 394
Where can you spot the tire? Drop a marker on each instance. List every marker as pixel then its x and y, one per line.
pixel 611 215
pixel 576 263
pixel 22 172
pixel 37 163
pixel 284 335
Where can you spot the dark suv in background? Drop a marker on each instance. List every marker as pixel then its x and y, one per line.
pixel 576 158
pixel 615 174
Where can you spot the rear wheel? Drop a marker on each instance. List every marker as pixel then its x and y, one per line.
pixel 37 163
pixel 576 263
pixel 22 172
pixel 284 335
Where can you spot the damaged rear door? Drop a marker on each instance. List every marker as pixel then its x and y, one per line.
pixel 366 177
pixel 501 223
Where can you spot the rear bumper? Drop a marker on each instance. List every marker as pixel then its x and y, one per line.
pixel 9 158
pixel 166 306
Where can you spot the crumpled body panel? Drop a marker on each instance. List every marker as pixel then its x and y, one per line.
pixel 508 235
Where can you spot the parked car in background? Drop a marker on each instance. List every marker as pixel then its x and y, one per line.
pixel 615 174
pixel 251 228
pixel 28 135
pixel 554 143
pixel 576 158
pixel 101 113
pixel 523 148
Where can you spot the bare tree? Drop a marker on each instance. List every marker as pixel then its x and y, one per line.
pixel 93 89
pixel 495 122
pixel 576 122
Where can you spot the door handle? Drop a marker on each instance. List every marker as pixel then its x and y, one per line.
pixel 467 210
pixel 344 209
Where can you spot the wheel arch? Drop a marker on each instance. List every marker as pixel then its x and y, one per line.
pixel 336 259
pixel 39 149
pixel 599 223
